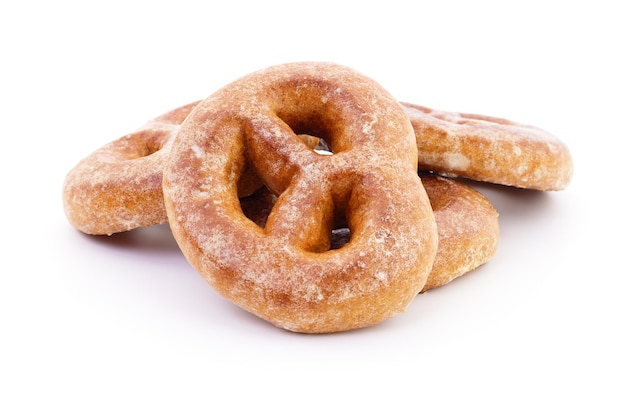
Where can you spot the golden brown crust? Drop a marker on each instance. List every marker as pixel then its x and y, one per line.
pixel 285 272
pixel 489 149
pixel 118 187
pixel 467 225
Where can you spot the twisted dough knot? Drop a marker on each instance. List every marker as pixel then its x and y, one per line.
pixel 286 272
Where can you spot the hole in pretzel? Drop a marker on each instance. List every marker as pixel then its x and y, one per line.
pixel 340 237
pixel 340 234
pixel 142 144
pixel 258 206
pixel 313 124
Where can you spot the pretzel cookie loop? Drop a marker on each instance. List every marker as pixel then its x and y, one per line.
pixel 490 149
pixel 118 187
pixel 286 272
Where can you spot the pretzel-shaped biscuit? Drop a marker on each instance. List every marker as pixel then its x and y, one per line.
pixel 286 272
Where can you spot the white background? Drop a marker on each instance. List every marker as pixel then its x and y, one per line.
pixel 128 314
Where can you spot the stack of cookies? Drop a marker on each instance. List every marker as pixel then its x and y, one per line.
pixel 309 196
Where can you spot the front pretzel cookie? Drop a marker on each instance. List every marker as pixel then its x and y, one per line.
pixel 286 272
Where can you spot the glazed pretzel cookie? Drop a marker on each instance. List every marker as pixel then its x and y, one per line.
pixel 489 149
pixel 118 187
pixel 286 272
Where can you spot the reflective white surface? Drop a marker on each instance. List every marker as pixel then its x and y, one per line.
pixel 127 313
